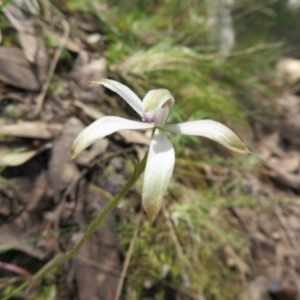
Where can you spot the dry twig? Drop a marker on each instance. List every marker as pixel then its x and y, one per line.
pixel 128 255
pixel 41 96
pixel 185 276
pixel 15 269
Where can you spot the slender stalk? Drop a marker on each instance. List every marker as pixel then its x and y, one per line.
pixel 89 231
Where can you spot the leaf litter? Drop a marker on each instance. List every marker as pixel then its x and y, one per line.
pixel 44 193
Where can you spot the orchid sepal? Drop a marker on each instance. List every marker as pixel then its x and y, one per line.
pixel 123 91
pixel 101 128
pixel 158 173
pixel 212 130
pixel 154 110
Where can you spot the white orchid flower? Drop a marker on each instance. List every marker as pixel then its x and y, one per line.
pixel 154 110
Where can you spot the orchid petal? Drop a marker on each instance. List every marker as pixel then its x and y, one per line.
pixel 212 130
pixel 158 172
pixel 125 92
pixel 101 128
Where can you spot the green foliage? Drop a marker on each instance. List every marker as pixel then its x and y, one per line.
pixel 167 44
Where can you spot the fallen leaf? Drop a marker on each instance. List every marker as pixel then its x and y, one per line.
pixel 16 159
pixel 16 70
pixel 34 130
pixel 294 222
pixel 70 45
pixel 289 163
pixel 134 137
pixel 25 30
pixel 87 68
pixel 284 177
pixel 34 195
pixel 33 46
pixel 62 170
pixel 141 151
pixel 258 289
pixel 85 157
pixel 89 111
pixel 14 237
pixel 32 191
pixel 272 143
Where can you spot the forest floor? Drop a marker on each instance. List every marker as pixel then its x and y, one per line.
pixel 47 200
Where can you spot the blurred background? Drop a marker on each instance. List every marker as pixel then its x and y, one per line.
pixel 230 225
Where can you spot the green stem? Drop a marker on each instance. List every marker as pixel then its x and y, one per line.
pixel 89 231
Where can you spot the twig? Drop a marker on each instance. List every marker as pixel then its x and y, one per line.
pixel 286 227
pixel 41 96
pixel 185 276
pixel 15 269
pixel 128 255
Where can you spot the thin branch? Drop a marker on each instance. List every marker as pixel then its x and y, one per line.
pixel 179 251
pixel 128 255
pixel 15 269
pixel 41 96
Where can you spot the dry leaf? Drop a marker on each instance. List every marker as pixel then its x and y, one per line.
pixel 16 70
pixel 290 163
pixel 33 46
pixel 34 130
pixel 28 224
pixel 283 176
pixel 12 236
pixel 258 289
pixel 16 159
pixel 294 222
pixel 141 151
pixel 272 143
pixel 85 157
pixel 70 45
pixel 134 137
pixel 62 170
pixel 87 68
pixel 87 110
pixel 26 31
